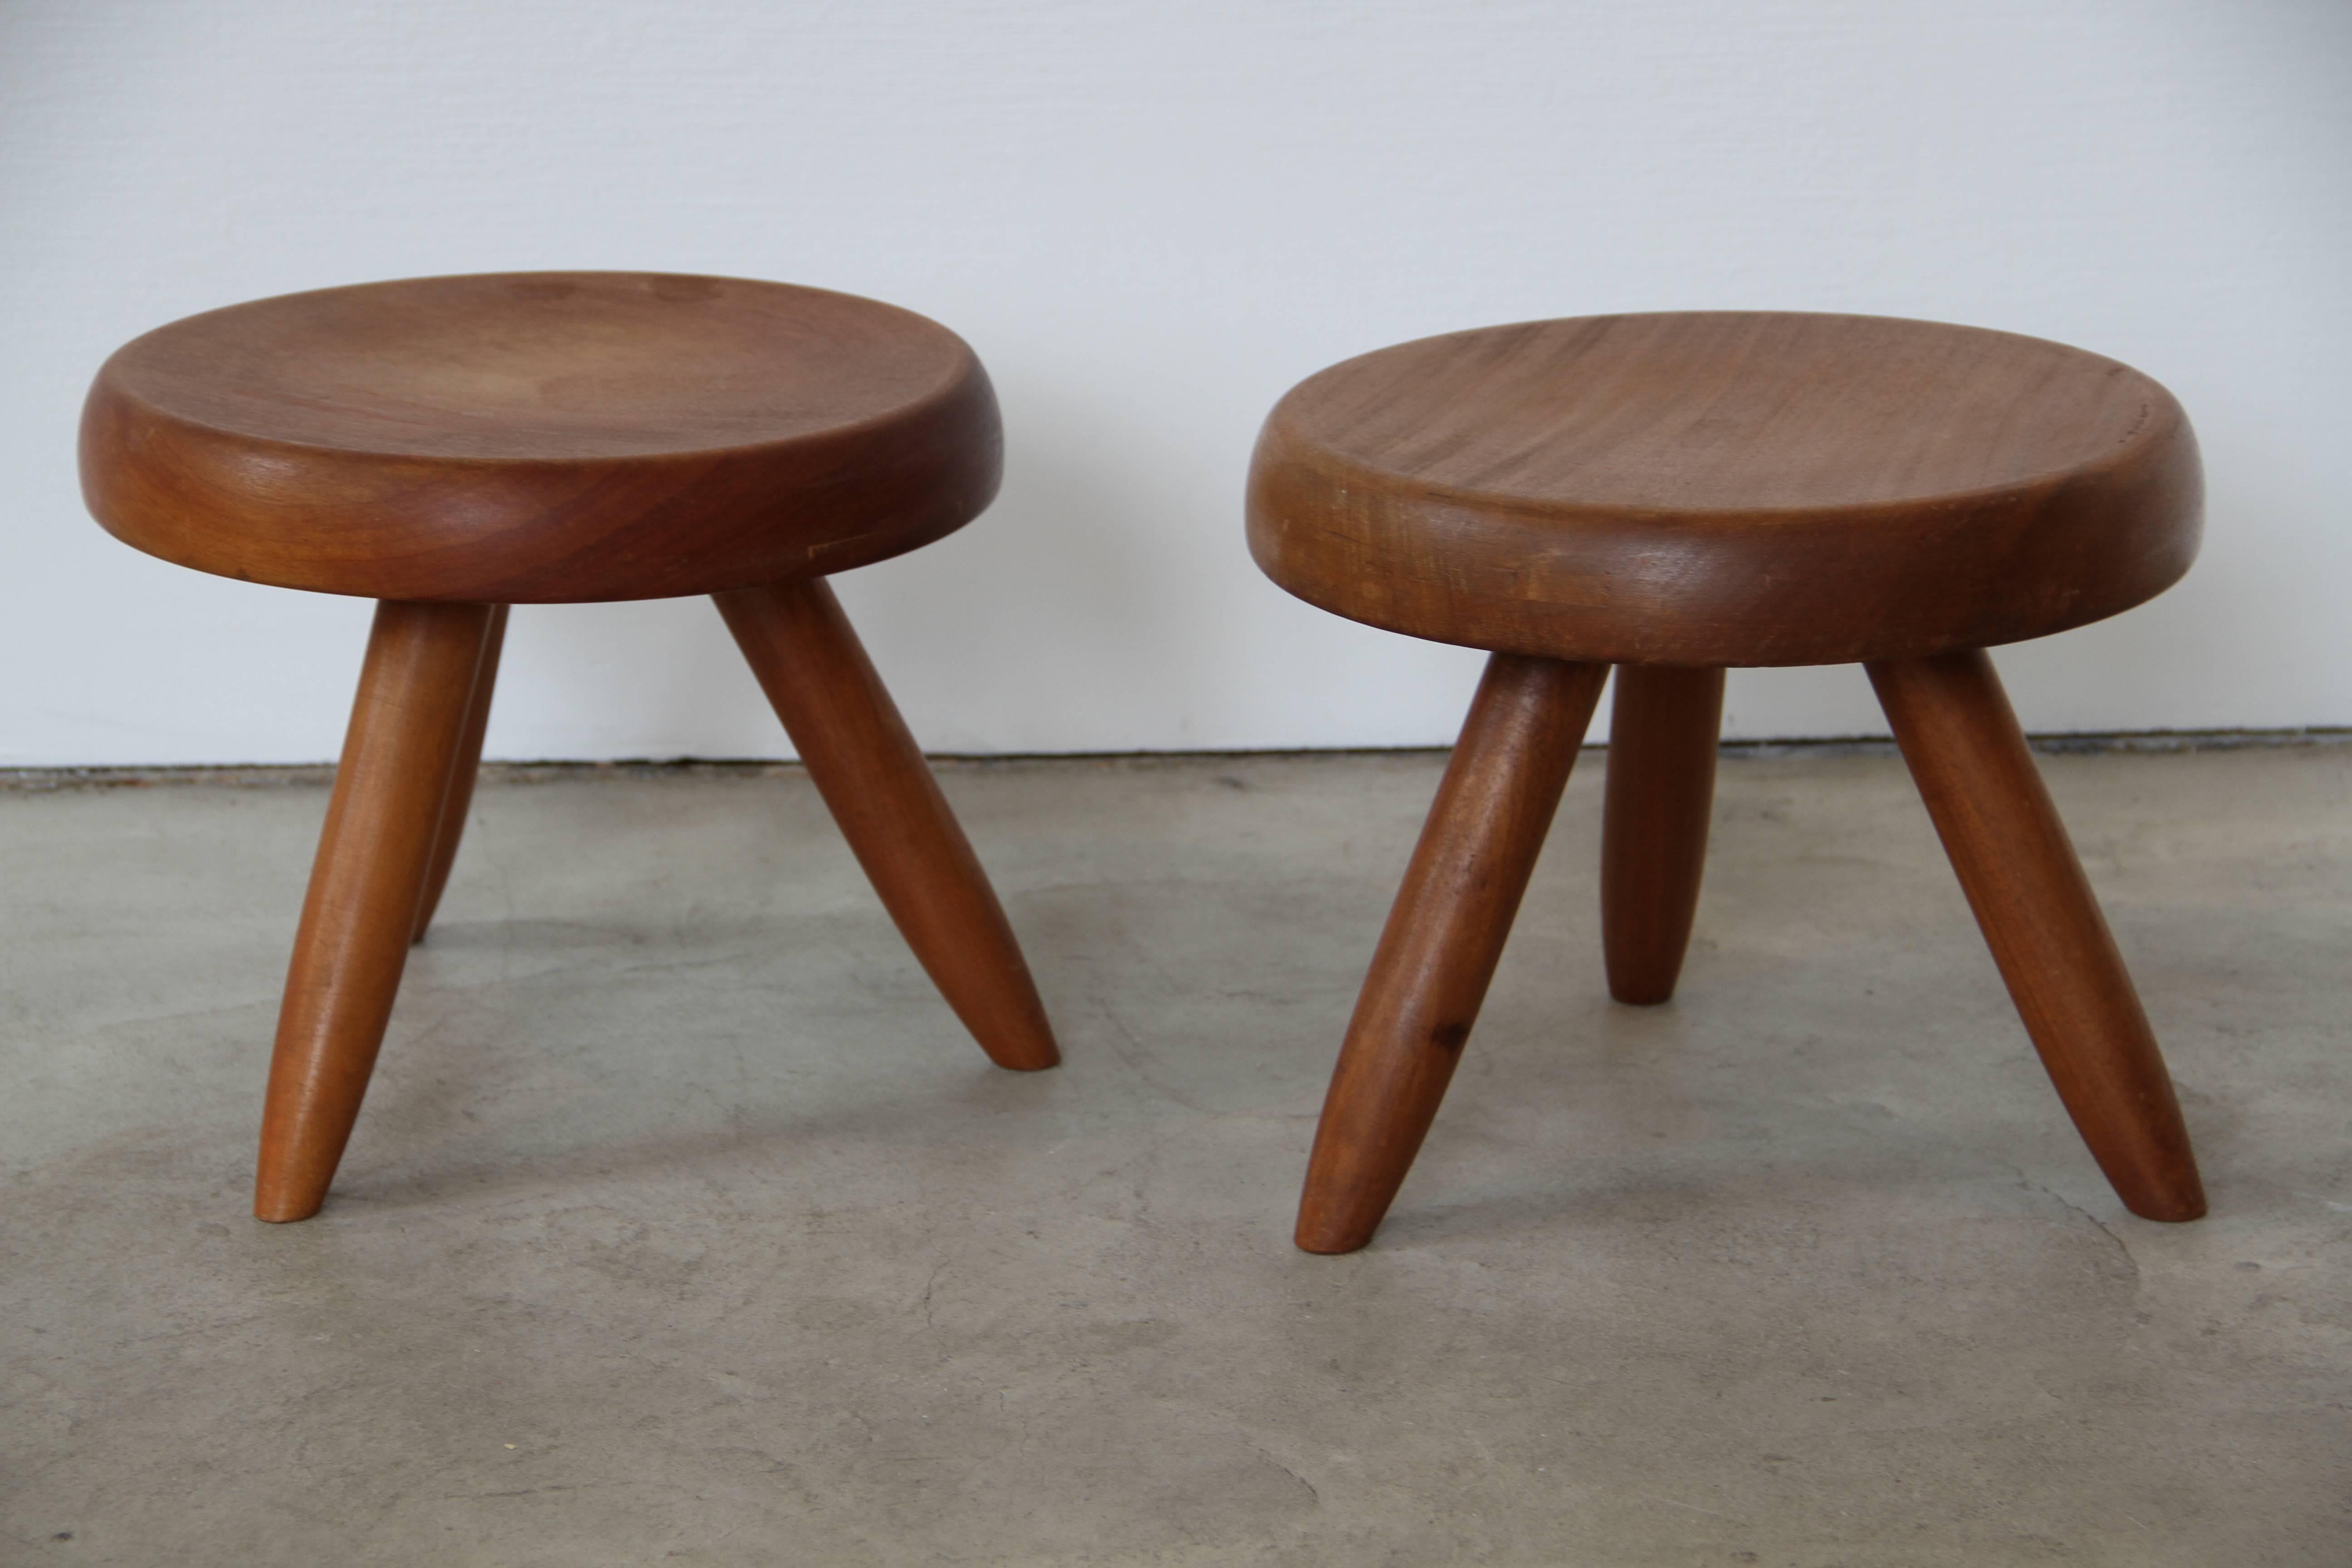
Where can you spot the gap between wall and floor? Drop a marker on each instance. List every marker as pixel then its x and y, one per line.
pixel 268 776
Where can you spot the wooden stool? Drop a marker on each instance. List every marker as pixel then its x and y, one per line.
pixel 452 446
pixel 1671 494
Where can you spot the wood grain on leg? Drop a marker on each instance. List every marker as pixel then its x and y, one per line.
pixel 460 797
pixel 2042 924
pixel 1662 742
pixel 881 792
pixel 1444 934
pixel 407 727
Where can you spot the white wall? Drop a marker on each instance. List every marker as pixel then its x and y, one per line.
pixel 1149 219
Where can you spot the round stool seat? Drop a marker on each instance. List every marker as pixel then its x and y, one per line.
pixel 1726 487
pixel 540 436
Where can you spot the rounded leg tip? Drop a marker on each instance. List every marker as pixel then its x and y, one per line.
pixel 283 1192
pixel 1638 980
pixel 1330 1246
pixel 1328 1236
pixel 1026 1050
pixel 2168 1208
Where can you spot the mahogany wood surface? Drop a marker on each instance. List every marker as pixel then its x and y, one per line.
pixel 1664 723
pixel 2043 924
pixel 1673 494
pixel 452 446
pixel 407 728
pixel 1726 487
pixel 874 779
pixel 459 798
pixel 1444 935
pixel 528 438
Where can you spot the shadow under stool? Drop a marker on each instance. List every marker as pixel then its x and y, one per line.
pixel 1673 494
pixel 449 446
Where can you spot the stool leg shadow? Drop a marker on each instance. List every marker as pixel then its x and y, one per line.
pixel 874 779
pixel 459 797
pixel 2042 922
pixel 407 731
pixel 1663 730
pixel 1444 935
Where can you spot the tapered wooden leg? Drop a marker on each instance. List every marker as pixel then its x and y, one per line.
pixel 881 791
pixel 2042 924
pixel 1444 935
pixel 407 727
pixel 460 797
pixel 1662 740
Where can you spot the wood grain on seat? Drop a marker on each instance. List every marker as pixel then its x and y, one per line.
pixel 540 436
pixel 1726 488
pixel 1673 494
pixel 449 446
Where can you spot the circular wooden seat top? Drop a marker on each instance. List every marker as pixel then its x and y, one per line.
pixel 1726 488
pixel 540 436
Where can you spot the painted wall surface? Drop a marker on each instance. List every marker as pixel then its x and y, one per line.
pixel 1151 219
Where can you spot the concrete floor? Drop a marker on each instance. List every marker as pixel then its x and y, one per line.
pixel 683 1225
